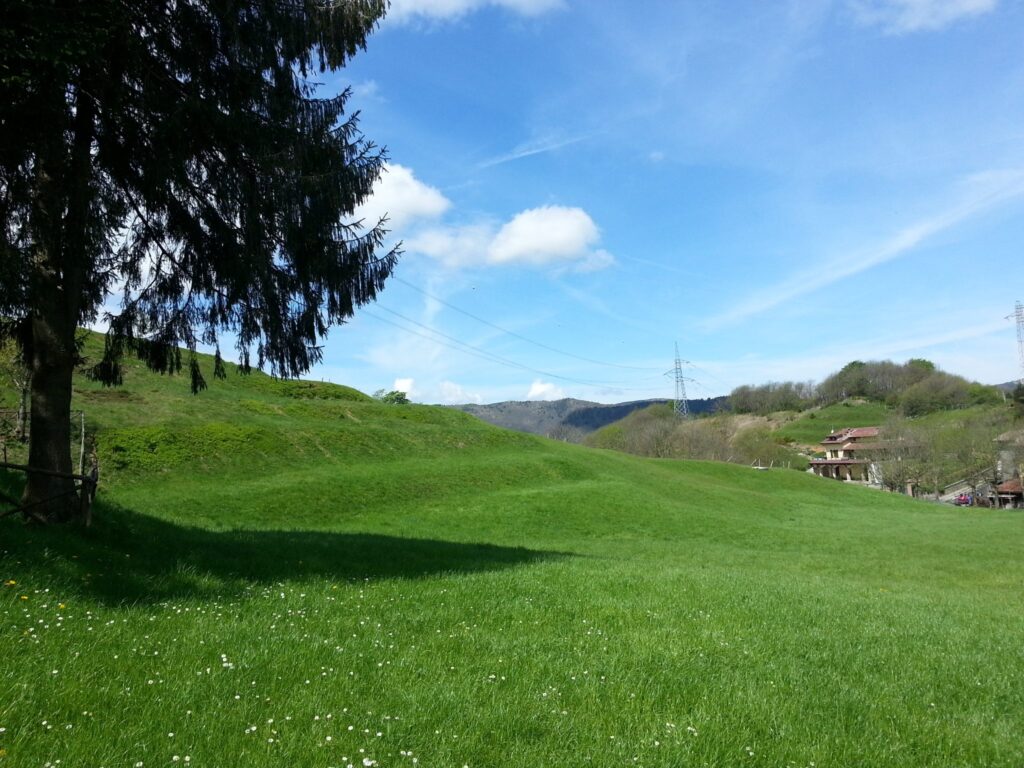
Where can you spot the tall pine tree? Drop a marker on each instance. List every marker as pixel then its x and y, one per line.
pixel 177 156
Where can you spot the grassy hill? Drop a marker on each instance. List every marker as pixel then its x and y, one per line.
pixel 285 573
pixel 811 427
pixel 569 419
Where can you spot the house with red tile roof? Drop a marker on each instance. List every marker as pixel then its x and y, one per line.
pixel 846 456
pixel 1008 494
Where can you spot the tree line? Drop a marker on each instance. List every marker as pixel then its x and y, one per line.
pixel 931 455
pixel 914 388
pixel 657 432
pixel 925 453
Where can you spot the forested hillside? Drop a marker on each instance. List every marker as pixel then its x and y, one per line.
pixel 569 419
pixel 937 428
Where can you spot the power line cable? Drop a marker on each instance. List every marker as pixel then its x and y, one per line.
pixel 493 357
pixel 519 335
pixel 483 354
pixel 469 349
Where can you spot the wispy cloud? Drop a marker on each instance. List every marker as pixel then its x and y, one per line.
pixel 442 10
pixel 597 306
pixel 906 16
pixel 671 268
pixel 917 344
pixel 532 148
pixel 366 90
pixel 982 192
pixel 947 348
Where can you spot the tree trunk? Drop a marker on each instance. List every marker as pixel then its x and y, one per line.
pixel 59 263
pixel 47 497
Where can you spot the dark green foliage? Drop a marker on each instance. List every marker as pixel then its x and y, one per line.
pixel 205 140
pixel 181 156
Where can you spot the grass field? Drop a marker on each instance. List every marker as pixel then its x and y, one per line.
pixel 293 575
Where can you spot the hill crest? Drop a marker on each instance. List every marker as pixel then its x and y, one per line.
pixel 569 418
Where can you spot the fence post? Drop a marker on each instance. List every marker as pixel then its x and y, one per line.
pixel 81 446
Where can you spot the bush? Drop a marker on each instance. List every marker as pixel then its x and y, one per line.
pixel 982 394
pixel 394 397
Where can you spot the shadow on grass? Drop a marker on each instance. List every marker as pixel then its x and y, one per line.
pixel 127 557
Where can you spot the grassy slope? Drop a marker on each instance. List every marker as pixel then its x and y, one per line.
pixel 287 581
pixel 810 427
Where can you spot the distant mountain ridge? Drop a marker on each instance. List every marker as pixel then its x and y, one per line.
pixel 568 418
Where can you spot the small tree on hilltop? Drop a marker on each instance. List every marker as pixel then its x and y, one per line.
pixel 394 397
pixel 176 155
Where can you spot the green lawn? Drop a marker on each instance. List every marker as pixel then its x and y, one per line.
pixel 283 580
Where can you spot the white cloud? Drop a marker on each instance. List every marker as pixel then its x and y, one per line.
pixel 439 10
pixel 452 393
pixel 403 198
pixel 903 16
pixel 405 385
pixel 548 236
pixel 982 192
pixel 454 246
pixel 541 235
pixel 543 390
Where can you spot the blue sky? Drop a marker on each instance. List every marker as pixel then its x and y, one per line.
pixel 778 187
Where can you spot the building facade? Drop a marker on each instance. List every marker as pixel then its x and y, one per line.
pixel 845 456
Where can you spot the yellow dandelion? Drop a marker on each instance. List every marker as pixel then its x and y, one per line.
pixel 10 583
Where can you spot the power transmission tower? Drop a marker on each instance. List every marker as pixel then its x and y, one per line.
pixel 679 405
pixel 1019 314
